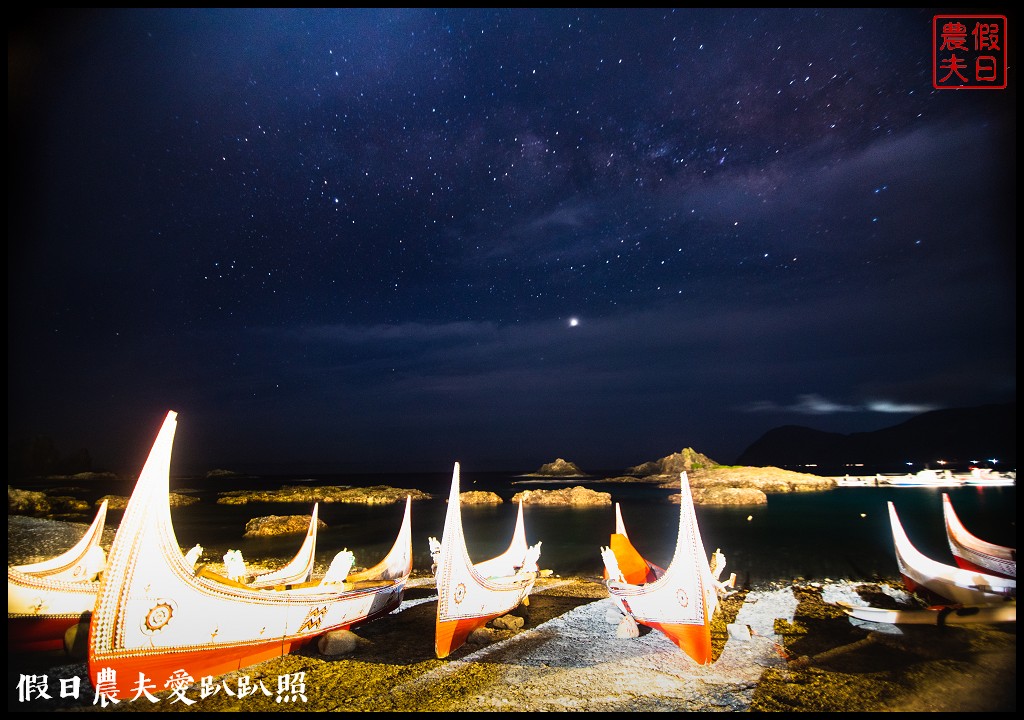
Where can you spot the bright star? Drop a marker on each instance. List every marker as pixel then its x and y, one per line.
pixel 573 322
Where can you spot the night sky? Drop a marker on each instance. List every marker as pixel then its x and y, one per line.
pixel 387 240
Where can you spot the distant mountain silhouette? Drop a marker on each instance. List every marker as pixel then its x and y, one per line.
pixel 957 436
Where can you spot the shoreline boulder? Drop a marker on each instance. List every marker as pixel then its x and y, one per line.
pixel 480 497
pixel 558 468
pixel 276 525
pixel 563 496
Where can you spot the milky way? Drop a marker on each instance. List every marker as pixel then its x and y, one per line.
pixel 393 239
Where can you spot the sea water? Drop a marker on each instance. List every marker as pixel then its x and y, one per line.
pixel 836 534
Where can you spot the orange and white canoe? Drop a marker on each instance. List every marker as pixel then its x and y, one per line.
pixel 157 618
pixel 46 598
pixel 469 595
pixel 971 552
pixel 948 583
pixel 680 600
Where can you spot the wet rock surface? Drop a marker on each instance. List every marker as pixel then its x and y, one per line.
pixel 722 485
pixel 174 500
pixel 375 495
pixel 563 496
pixel 480 497
pixel 277 525
pixel 558 468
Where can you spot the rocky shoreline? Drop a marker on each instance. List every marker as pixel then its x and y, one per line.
pixel 787 648
pixel 374 495
pixel 710 482
pixel 784 647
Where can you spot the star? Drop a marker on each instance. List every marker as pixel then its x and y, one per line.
pixel 574 321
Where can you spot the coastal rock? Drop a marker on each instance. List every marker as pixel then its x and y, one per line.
pixel 481 636
pixel 508 622
pixel 220 473
pixel 376 495
pixel 27 502
pixel 86 476
pixel 558 468
pixel 119 502
pixel 633 479
pixel 39 504
pixel 76 641
pixel 275 525
pixel 627 628
pixel 337 642
pixel 724 496
pixel 480 497
pixel 739 632
pixel 563 496
pixel 763 479
pixel 686 460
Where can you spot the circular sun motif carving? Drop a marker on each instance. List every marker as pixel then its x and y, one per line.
pixel 158 617
pixel 682 598
pixel 460 593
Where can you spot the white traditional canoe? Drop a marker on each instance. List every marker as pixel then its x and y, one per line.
pixel 1004 612
pixel 46 598
pixel 300 569
pixel 947 582
pixel 82 562
pixel 40 611
pixel 469 595
pixel 157 617
pixel 678 601
pixel 973 553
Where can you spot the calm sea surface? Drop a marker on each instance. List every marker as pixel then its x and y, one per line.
pixel 838 534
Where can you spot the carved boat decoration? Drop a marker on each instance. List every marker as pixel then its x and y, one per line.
pixel 971 552
pixel 300 569
pixel 469 595
pixel 156 617
pixel 47 598
pixel 678 601
pixel 947 583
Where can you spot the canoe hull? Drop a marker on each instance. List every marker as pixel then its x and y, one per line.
pixel 468 596
pixel 159 664
pixel 678 601
pixel 40 634
pixel 81 563
pixel 694 640
pixel 978 614
pixel 46 598
pixel 971 552
pixel 941 583
pixel 41 610
pixel 155 613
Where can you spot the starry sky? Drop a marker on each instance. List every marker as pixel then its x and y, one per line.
pixel 386 240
